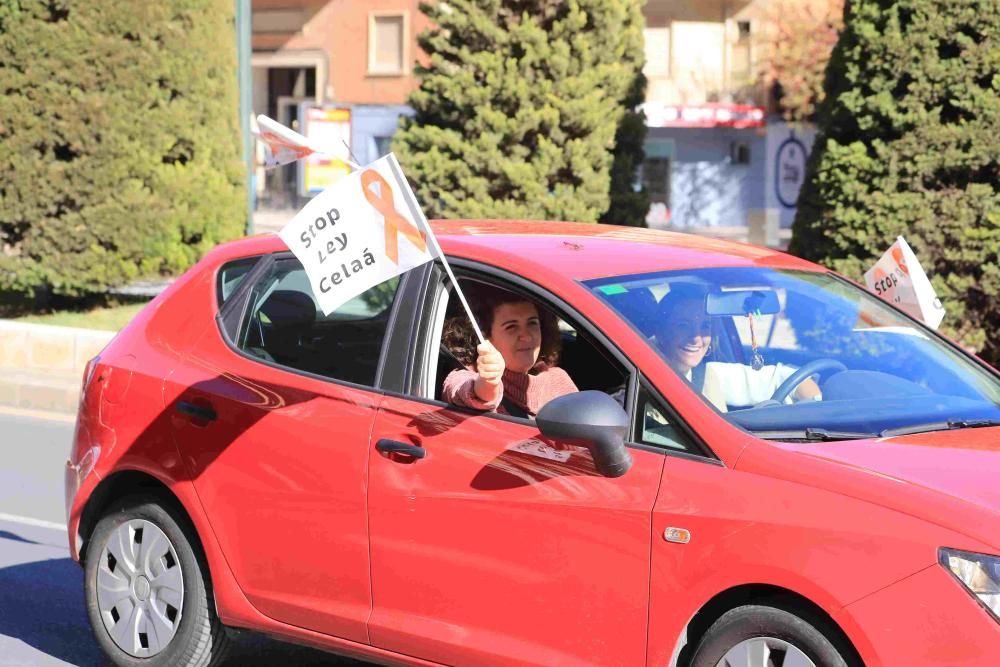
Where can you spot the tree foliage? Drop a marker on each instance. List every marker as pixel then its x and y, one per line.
pixel 629 205
pixel 119 140
pixel 798 39
pixel 518 107
pixel 909 145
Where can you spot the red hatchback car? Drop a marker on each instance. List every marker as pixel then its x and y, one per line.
pixel 765 465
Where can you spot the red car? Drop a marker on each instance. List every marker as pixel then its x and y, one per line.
pixel 820 485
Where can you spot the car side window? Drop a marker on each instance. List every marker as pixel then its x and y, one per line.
pixel 582 359
pixel 231 275
pixel 285 326
pixel 653 426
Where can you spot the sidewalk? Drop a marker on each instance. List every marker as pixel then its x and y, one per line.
pixel 41 366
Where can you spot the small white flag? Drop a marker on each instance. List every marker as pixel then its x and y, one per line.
pixel 282 145
pixel 361 231
pixel 898 278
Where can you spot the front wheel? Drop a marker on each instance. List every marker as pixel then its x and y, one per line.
pixel 760 636
pixel 147 594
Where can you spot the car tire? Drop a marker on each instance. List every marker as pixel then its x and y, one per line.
pixel 159 565
pixel 763 636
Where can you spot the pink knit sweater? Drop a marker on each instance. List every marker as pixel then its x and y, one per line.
pixel 530 390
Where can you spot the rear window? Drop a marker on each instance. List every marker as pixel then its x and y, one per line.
pixel 231 275
pixel 283 325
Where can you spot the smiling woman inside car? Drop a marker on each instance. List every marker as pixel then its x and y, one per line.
pixel 684 337
pixel 514 372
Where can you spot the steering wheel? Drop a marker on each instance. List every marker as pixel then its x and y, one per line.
pixel 796 378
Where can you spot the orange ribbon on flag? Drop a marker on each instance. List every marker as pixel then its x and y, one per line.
pixel 897 254
pixel 273 139
pixel 395 224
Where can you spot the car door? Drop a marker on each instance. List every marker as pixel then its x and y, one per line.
pixel 272 414
pixel 492 549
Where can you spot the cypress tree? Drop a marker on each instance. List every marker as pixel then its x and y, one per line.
pixel 518 107
pixel 119 140
pixel 629 205
pixel 909 142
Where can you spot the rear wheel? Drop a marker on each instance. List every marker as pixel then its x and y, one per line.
pixel 761 636
pixel 147 591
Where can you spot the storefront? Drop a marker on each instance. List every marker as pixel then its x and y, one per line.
pixel 723 168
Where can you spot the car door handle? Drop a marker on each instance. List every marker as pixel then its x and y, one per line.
pixel 198 411
pixel 387 446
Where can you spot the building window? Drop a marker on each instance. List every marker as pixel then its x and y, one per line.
pixel 655 175
pixel 655 178
pixel 382 145
pixel 657 47
pixel 739 152
pixel 387 43
pixel 742 54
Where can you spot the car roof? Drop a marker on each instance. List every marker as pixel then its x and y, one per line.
pixel 579 251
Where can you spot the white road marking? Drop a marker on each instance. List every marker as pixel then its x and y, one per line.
pixel 28 521
pixel 38 414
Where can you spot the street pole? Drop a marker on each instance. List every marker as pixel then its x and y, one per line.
pixel 243 49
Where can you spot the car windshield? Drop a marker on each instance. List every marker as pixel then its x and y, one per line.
pixel 800 355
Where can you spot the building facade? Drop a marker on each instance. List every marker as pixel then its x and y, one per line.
pixel 715 158
pixel 347 63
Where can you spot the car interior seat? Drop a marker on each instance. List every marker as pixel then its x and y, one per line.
pixel 290 318
pixel 446 363
pixel 638 306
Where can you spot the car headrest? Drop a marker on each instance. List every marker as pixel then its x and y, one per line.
pixel 289 308
pixel 637 305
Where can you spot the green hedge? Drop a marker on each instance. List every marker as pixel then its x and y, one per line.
pixel 120 147
pixel 909 145
pixel 518 109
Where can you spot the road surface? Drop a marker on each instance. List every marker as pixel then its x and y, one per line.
pixel 43 620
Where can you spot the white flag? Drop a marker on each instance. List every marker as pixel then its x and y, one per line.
pixel 282 145
pixel 898 278
pixel 359 232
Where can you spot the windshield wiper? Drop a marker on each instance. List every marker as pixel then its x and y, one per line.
pixel 949 425
pixel 814 435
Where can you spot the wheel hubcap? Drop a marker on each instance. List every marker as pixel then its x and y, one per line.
pixel 140 588
pixel 765 652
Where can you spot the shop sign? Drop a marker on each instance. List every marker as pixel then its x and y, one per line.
pixel 703 115
pixel 329 127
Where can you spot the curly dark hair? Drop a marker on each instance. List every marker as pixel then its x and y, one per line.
pixel 460 338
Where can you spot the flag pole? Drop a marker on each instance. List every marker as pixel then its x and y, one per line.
pixel 284 136
pixel 419 215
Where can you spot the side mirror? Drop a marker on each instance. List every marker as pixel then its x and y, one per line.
pixel 592 419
